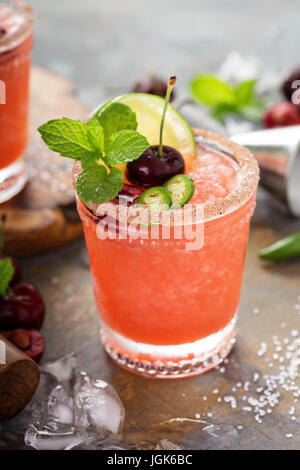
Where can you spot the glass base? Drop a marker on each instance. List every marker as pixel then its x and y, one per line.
pixel 182 360
pixel 12 180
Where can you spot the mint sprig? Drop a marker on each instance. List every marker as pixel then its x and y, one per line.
pixel 6 274
pixel 105 140
pixel 225 99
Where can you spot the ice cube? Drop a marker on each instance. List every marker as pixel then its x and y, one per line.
pixel 47 439
pixel 113 448
pixel 62 369
pixel 97 406
pixel 237 68
pixel 165 444
pixel 60 406
pixel 37 408
pixel 222 435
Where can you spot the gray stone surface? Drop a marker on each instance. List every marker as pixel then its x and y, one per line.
pixel 104 45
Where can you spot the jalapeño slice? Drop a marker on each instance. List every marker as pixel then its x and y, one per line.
pixel 181 189
pixel 155 199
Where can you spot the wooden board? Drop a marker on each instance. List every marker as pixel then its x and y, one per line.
pixel 43 216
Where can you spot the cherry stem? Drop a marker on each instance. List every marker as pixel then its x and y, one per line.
pixel 2 230
pixel 167 99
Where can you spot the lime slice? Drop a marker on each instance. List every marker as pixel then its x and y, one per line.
pixel 148 108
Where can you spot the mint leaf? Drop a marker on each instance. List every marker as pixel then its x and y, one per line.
pixel 244 92
pixel 95 135
pixel 96 185
pixel 224 100
pixel 89 159
pixel 211 91
pixel 116 117
pixel 6 274
pixel 67 137
pixel 220 112
pixel 125 146
pixel 253 111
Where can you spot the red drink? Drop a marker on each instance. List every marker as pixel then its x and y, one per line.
pixel 169 311
pixel 16 37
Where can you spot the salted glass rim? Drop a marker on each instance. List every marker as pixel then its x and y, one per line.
pixel 11 41
pixel 249 178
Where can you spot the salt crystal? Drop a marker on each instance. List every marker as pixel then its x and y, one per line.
pixel 246 386
pixel 230 399
pixel 247 408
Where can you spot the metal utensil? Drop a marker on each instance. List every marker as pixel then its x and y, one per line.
pixel 278 153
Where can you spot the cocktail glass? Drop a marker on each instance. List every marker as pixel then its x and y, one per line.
pixel 168 305
pixel 16 39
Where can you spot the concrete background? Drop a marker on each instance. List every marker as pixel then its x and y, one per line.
pixel 103 46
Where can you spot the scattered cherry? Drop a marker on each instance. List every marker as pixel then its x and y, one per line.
pixel 20 338
pixel 290 83
pixel 31 342
pixel 152 170
pixel 17 277
pixel 129 194
pixel 281 114
pixel 23 307
pixel 152 85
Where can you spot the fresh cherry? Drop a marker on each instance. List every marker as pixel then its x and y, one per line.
pixel 17 277
pixel 129 194
pixel 160 162
pixel 291 83
pixel 23 307
pixel 281 114
pixel 152 85
pixel 150 169
pixel 31 342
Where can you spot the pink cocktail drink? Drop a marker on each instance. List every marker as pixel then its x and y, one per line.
pixel 16 38
pixel 168 310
